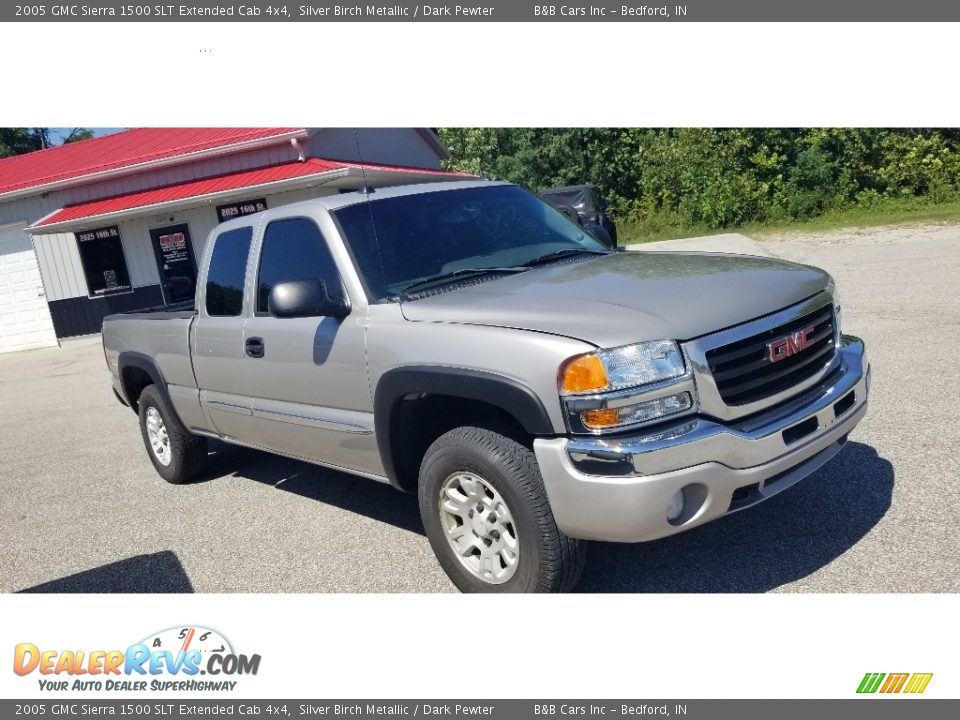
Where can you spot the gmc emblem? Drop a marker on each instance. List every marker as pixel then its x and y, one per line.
pixel 790 345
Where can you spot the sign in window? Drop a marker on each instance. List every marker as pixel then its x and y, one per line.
pixel 235 210
pixel 104 264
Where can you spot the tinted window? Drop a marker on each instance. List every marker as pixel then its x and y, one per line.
pixel 104 266
pixel 401 240
pixel 228 267
pixel 294 249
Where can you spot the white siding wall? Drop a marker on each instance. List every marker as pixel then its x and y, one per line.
pixel 60 267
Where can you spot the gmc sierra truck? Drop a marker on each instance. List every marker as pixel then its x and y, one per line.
pixel 469 343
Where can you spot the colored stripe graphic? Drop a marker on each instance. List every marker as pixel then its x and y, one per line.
pixel 870 682
pixel 894 682
pixel 918 683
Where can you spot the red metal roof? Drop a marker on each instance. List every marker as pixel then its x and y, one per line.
pixel 220 183
pixel 110 152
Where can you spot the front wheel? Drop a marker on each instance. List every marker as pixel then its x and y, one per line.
pixel 488 519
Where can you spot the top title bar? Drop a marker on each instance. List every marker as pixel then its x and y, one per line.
pixel 493 11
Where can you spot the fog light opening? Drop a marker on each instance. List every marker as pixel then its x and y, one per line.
pixel 686 503
pixel 675 506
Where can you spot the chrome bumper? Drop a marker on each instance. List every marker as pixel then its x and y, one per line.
pixel 618 489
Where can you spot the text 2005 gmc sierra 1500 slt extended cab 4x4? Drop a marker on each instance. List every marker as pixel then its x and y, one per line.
pixel 469 343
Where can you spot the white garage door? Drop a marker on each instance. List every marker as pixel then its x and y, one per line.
pixel 24 316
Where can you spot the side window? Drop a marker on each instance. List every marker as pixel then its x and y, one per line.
pixel 294 249
pixel 228 266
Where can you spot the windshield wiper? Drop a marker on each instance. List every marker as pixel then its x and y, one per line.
pixel 560 254
pixel 441 278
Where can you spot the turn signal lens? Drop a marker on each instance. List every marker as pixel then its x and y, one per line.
pixel 597 419
pixel 582 374
pixel 604 418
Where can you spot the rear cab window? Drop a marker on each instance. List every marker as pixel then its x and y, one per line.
pixel 227 272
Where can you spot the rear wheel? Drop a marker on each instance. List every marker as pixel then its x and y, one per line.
pixel 176 453
pixel 488 519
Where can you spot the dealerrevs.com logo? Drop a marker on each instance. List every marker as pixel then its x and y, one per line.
pixel 172 659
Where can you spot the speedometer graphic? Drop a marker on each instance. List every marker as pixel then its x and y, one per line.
pixel 184 639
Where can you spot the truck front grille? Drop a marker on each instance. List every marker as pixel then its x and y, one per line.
pixel 744 373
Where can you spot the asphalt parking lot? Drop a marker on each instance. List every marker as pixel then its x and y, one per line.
pixel 81 508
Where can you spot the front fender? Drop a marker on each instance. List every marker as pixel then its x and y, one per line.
pixel 505 393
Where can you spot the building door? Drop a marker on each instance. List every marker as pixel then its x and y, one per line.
pixel 175 261
pixel 24 315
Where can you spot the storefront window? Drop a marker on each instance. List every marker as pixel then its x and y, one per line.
pixel 104 264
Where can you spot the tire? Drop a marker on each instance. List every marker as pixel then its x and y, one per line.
pixel 183 455
pixel 524 549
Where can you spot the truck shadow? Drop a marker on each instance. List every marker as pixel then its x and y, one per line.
pixel 375 500
pixel 777 542
pixel 160 572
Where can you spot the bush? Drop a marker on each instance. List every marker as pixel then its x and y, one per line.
pixel 715 178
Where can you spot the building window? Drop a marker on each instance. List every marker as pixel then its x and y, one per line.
pixel 104 265
pixel 228 268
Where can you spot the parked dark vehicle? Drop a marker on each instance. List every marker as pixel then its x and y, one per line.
pixel 588 208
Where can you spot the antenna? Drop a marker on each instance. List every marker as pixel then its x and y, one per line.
pixel 364 188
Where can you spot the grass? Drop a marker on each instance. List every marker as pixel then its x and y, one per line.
pixel 667 226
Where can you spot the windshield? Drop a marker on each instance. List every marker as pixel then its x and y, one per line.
pixel 397 242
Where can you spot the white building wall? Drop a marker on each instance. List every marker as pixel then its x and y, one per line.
pixel 60 267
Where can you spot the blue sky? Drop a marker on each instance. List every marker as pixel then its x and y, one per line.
pixel 58 134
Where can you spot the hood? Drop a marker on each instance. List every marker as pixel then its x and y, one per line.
pixel 628 297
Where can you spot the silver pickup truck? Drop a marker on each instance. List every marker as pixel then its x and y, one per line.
pixel 469 343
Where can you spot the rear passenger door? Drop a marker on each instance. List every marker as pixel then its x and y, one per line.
pixel 311 393
pixel 218 337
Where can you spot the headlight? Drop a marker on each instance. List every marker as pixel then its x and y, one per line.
pixel 622 367
pixel 626 387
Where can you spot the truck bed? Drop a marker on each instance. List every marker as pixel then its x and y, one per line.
pixel 161 333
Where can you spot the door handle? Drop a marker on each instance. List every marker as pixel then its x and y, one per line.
pixel 254 347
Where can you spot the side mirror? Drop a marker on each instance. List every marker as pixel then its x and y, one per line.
pixel 305 298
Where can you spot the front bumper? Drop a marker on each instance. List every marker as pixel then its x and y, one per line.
pixel 618 489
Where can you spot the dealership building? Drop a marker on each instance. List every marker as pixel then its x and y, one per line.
pixel 119 222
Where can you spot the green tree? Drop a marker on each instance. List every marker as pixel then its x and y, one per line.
pixel 708 177
pixel 17 141
pixel 77 134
